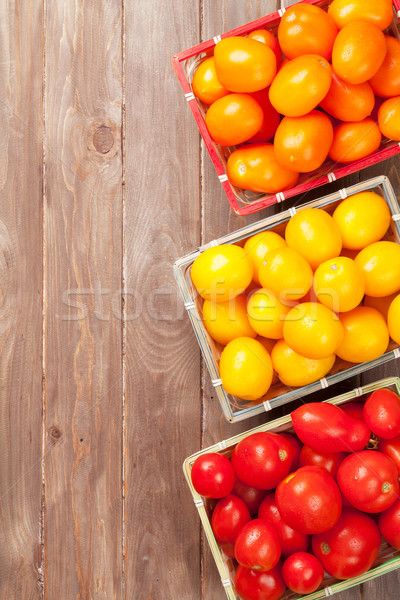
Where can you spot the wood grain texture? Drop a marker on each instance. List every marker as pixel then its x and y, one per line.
pixel 162 223
pixel 83 236
pixel 21 112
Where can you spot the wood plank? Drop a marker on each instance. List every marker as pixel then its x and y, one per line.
pixel 162 360
pixel 21 112
pixel 83 236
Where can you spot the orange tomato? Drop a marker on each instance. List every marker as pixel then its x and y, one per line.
pixel 378 12
pixel 348 101
pixel 386 82
pixel 233 119
pixel 300 85
pixel 306 29
pixel 205 82
pixel 254 167
pixel 354 141
pixel 244 65
pixel 302 143
pixel 266 37
pixel 271 117
pixel 389 118
pixel 358 52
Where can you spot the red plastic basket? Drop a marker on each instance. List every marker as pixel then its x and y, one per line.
pixel 241 201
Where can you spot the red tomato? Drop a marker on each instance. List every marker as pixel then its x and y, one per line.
pixel 212 475
pixel 261 460
pixel 389 524
pixel 309 500
pixel 327 460
pixel 382 413
pixel 251 496
pixel 354 410
pixel 253 585
pixel 296 448
pixel 350 548
pixel 391 448
pixel 292 541
pixel 228 518
pixel 258 545
pixel 303 573
pixel 369 480
pixel 271 118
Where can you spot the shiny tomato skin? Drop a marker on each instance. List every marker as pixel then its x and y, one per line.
pixel 251 496
pixel 327 460
pixel 233 119
pixel 253 585
pixel 228 518
pixel 303 573
pixel 351 547
pixel 271 118
pixel 212 475
pixel 296 448
pixel 382 413
pixel 258 545
pixel 369 480
pixel 354 410
pixel 266 37
pixel 389 524
pixel 292 541
pixel 261 460
pixel 392 449
pixel 309 500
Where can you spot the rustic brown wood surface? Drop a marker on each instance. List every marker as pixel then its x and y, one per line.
pixel 103 184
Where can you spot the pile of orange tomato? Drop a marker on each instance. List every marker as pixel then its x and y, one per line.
pixel 327 86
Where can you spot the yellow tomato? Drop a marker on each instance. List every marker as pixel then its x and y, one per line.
pixel 266 314
pixel 286 273
pixel 295 370
pixel 366 335
pixel 257 247
pixel 339 284
pixel 380 263
pixel 205 82
pixel 394 319
pixel 226 321
pixel 381 304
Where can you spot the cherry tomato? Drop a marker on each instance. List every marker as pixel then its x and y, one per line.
pixel 382 413
pixel 392 449
pixel 228 518
pixel 266 37
pixel 309 500
pixel 243 64
pixel 303 573
pixel 212 475
pixel 327 460
pixel 254 167
pixel 296 448
pixel 350 548
pixel 292 541
pixel 261 460
pixel 205 82
pixel 271 118
pixel 389 524
pixel 258 545
pixel 354 410
pixel 251 496
pixel 253 585
pixel 369 480
pixel 233 119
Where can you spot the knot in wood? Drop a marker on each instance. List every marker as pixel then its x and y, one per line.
pixel 55 433
pixel 103 139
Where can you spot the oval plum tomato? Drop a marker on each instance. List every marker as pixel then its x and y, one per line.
pixel 358 52
pixel 266 37
pixel 261 460
pixel 354 410
pixel 292 541
pixel 254 167
pixel 271 118
pixel 369 480
pixel 379 13
pixel 351 547
pixel 244 65
pixel 392 449
pixel 382 413
pixel 205 83
pixel 354 141
pixel 234 119
pixel 309 500
pixel 228 518
pixel 253 585
pixel 386 82
pixel 389 118
pixel 258 545
pixel 347 101
pixel 303 573
pixel 306 29
pixel 389 524
pixel 300 85
pixel 212 475
pixel 327 460
pixel 251 496
pixel 302 143
pixel 296 448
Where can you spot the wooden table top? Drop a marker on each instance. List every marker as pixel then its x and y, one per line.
pixel 103 184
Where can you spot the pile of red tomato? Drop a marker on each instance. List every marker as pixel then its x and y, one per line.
pixel 334 77
pixel 288 508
